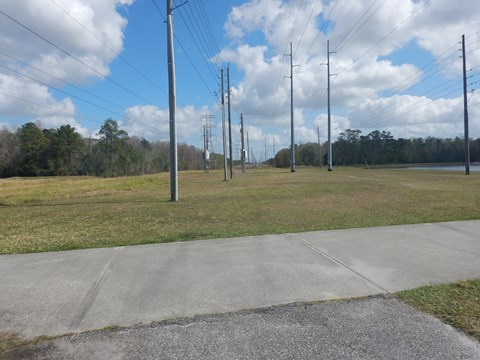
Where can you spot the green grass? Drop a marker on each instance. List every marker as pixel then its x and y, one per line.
pixel 50 214
pixel 456 304
pixel 11 342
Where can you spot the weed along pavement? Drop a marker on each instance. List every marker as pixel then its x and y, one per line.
pixel 251 297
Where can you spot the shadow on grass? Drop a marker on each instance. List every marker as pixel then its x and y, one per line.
pixel 93 202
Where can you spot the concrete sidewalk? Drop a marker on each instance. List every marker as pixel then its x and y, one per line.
pixel 74 291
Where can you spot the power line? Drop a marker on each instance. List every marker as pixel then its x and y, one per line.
pixel 75 58
pixel 326 20
pixel 220 60
pixel 49 107
pixel 209 65
pixel 408 82
pixel 404 109
pixel 312 91
pixel 60 80
pixel 206 31
pixel 60 90
pixel 433 70
pixel 109 48
pixel 282 70
pixel 386 36
pixel 188 56
pixel 122 116
pixel 305 28
pixel 341 43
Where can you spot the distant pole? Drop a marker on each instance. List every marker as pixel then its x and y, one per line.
pixel 248 151
pixel 465 110
pixel 205 147
pixel 274 153
pixel 172 106
pixel 225 166
pixel 243 143
pixel 292 150
pixel 330 168
pixel 229 122
pixel 266 157
pixel 319 147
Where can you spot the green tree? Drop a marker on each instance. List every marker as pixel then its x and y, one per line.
pixel 32 145
pixel 308 154
pixel 113 154
pixel 282 158
pixel 347 147
pixel 10 154
pixel 69 149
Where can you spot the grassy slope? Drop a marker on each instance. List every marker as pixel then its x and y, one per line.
pixel 457 304
pixel 48 214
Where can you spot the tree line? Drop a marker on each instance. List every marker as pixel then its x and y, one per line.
pixel 380 148
pixel 32 151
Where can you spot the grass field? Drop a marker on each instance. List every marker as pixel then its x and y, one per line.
pixel 457 304
pixel 49 214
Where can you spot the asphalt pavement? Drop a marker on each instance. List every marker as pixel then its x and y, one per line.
pixel 250 297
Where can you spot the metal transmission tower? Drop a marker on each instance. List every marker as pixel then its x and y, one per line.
pixel 207 141
pixel 225 166
pixel 243 143
pixel 465 110
pixel 292 149
pixel 330 168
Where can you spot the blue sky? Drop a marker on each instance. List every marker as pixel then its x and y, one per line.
pixel 397 64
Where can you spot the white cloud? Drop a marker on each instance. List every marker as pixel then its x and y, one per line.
pixel 410 116
pixel 260 31
pixel 51 22
pixel 153 123
pixel 39 101
pixel 49 19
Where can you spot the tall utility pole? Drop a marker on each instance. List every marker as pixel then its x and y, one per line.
pixel 292 146
pixel 172 106
pixel 225 166
pixel 319 147
pixel 330 168
pixel 465 110
pixel 243 143
pixel 229 122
